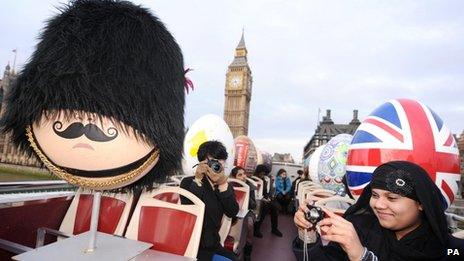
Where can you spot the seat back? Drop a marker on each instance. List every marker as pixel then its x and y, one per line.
pixel 170 227
pixel 259 182
pixel 306 188
pixel 226 223
pixel 173 198
pixel 114 212
pixel 255 184
pixel 242 193
pixel 336 204
pixel 318 194
pixel 303 183
pixel 322 192
pixel 306 183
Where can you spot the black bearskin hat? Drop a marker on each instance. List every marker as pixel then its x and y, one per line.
pixel 111 58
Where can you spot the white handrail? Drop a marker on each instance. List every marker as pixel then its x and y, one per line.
pixel 40 182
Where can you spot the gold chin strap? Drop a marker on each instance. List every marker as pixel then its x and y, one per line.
pixel 92 183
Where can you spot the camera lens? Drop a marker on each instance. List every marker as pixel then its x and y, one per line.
pixel 314 215
pixel 215 165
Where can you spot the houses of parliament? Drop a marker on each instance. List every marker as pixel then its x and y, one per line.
pixel 9 153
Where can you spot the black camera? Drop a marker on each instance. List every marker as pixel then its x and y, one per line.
pixel 314 215
pixel 215 165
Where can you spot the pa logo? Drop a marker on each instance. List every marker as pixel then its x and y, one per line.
pixel 452 252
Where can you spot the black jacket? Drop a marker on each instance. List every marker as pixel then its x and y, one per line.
pixel 266 194
pixel 294 184
pixel 372 236
pixel 216 205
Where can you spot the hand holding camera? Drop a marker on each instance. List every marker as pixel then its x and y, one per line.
pixel 314 215
pixel 306 219
pixel 213 169
pixel 308 215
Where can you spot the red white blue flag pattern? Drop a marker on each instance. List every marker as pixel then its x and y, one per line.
pixel 404 130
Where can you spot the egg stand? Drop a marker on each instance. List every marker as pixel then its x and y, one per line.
pixel 94 222
pixel 84 246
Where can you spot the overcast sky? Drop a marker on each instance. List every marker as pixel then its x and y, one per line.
pixel 304 55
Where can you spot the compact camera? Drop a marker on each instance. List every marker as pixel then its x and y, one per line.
pixel 215 165
pixel 314 215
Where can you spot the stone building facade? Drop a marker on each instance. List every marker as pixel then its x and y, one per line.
pixel 8 152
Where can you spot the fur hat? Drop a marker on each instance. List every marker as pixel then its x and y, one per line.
pixel 112 58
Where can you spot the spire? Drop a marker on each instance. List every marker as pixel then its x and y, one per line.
pixel 241 44
pixel 355 119
pixel 240 58
pixel 326 118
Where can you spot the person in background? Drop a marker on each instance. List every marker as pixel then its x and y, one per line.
pixel 304 177
pixel 239 173
pixel 268 205
pixel 399 216
pixel 212 188
pixel 295 182
pixel 283 186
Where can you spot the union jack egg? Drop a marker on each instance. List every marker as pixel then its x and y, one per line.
pixel 404 129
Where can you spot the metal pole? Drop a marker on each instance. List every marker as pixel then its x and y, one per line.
pixel 94 222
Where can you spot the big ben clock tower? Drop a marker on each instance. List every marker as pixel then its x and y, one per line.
pixel 238 92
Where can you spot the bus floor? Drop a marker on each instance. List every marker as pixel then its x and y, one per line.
pixel 271 247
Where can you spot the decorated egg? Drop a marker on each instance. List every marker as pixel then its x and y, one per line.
pixel 106 107
pixel 408 130
pixel 246 155
pixel 207 128
pixel 332 163
pixel 314 163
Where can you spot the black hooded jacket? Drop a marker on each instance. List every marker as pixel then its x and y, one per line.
pixel 216 205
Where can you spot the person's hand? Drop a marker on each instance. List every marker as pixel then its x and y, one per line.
pixel 216 178
pixel 219 179
pixel 306 230
pixel 337 229
pixel 299 218
pixel 201 171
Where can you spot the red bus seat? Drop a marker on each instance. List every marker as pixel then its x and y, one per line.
pixel 170 227
pixel 113 216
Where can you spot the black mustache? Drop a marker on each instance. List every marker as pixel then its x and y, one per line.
pixel 91 131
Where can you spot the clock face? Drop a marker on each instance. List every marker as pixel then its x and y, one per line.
pixel 235 81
